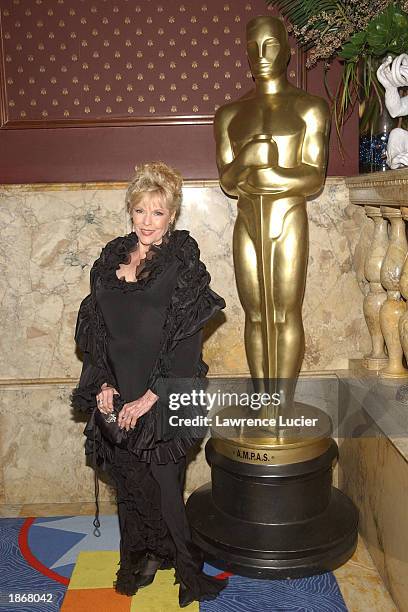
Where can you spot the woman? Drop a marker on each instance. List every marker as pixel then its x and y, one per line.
pixel 140 326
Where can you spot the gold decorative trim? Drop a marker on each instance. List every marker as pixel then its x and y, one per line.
pixel 200 183
pixel 5 382
pixel 117 122
pixel 279 454
pixel 27 382
pixel 95 185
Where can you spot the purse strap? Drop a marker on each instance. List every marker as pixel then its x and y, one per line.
pixel 96 523
pixel 118 403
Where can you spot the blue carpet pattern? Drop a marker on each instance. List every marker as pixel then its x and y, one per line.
pixel 56 541
pixel 18 577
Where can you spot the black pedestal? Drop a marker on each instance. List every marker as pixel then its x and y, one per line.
pixel 273 521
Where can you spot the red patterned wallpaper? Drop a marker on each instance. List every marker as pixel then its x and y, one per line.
pixel 68 62
pixel 89 88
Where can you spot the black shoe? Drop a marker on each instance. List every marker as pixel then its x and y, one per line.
pixel 142 580
pixel 148 570
pixel 185 596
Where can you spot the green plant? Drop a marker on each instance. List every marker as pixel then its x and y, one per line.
pixel 360 33
pixel 386 34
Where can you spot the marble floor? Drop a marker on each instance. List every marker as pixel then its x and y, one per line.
pixel 359 581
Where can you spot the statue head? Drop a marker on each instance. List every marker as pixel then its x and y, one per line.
pixel 267 47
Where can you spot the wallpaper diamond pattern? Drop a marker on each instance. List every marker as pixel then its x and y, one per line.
pixel 86 62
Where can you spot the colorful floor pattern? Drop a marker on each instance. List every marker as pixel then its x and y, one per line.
pixel 56 563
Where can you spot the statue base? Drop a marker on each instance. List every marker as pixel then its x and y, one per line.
pixel 271 510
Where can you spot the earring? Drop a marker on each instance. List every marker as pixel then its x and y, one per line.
pixel 170 229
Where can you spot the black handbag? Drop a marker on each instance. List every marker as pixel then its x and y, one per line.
pixel 108 423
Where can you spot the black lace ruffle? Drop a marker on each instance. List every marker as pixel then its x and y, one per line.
pixel 145 527
pixel 156 260
pixel 144 442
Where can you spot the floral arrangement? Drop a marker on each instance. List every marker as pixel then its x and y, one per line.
pixel 361 33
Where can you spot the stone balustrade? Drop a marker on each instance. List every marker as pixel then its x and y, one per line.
pixel 384 197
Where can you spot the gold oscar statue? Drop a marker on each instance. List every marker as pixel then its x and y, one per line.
pixel 270 510
pixel 272 152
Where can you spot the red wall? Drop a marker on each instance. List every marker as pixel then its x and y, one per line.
pixel 337 166
pixel 90 88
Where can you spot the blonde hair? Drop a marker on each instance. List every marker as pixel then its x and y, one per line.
pixel 158 179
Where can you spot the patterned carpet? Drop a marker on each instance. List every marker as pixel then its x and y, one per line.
pixel 56 563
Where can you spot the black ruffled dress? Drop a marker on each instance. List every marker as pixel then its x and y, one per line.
pixel 134 336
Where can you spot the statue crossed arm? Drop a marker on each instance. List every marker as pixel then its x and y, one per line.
pixel 255 167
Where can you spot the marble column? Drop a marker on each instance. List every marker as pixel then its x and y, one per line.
pixel 394 307
pixel 376 359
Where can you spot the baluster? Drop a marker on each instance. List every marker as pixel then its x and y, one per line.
pixel 372 303
pixel 403 284
pixel 394 306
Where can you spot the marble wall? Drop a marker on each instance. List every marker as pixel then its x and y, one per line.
pixel 374 473
pixel 50 235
